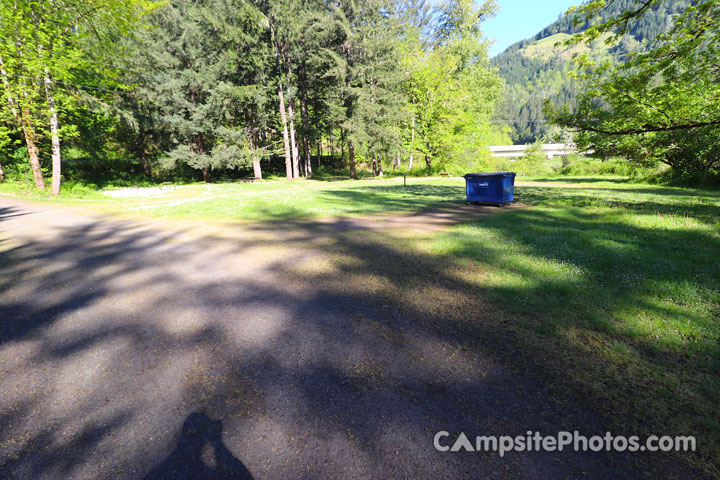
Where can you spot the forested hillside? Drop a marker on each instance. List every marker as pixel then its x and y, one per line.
pixel 537 68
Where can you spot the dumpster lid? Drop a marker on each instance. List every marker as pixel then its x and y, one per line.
pixel 489 174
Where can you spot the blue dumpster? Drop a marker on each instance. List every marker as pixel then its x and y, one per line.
pixel 495 188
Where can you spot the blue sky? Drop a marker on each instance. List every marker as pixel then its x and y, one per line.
pixel 520 19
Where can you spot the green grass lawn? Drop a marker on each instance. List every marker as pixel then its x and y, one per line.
pixel 612 289
pixel 606 290
pixel 275 199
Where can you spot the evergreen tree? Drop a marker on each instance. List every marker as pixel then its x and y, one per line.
pixel 367 53
pixel 200 73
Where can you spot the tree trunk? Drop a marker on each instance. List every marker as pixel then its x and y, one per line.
pixel 379 164
pixel 374 164
pixel 412 143
pixel 55 136
pixel 281 95
pixel 257 170
pixel 6 84
pixel 199 149
pixel 29 135
pixel 146 165
pixel 2 173
pixel 306 131
pixel 291 119
pixel 24 122
pixel 295 152
pixel 141 152
pixel 428 161
pixel 308 159
pixel 286 138
pixel 351 154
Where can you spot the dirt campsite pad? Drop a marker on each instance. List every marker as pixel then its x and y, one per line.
pixel 295 349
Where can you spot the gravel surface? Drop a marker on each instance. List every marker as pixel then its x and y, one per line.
pixel 131 349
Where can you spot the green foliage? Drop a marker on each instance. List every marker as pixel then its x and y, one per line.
pixel 580 165
pixel 50 52
pixel 659 106
pixel 451 89
pixel 196 85
pixel 199 64
pixel 369 55
pixel 17 169
pixel 533 157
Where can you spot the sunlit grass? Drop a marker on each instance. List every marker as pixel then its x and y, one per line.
pixel 275 199
pixel 301 200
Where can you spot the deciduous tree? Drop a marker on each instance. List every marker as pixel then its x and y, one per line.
pixel 658 106
pixel 47 44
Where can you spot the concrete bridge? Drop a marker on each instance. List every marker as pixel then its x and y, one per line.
pixel 551 150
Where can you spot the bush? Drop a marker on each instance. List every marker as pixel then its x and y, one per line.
pixel 667 176
pixel 17 168
pixel 581 165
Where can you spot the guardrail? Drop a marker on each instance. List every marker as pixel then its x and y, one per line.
pixel 550 149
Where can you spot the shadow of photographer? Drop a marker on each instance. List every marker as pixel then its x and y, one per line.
pixel 200 454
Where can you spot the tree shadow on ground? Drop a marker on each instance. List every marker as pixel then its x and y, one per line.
pixel 324 351
pixel 10 212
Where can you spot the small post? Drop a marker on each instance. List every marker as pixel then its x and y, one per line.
pixel 404 180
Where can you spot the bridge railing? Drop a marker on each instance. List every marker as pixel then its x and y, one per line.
pixel 550 149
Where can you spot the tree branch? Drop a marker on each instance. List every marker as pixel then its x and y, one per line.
pixel 653 107
pixel 74 21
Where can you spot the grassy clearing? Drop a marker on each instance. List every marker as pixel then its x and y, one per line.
pixel 276 199
pixel 608 291
pixel 273 199
pixel 614 290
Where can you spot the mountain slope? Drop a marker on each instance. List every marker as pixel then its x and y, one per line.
pixel 537 68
